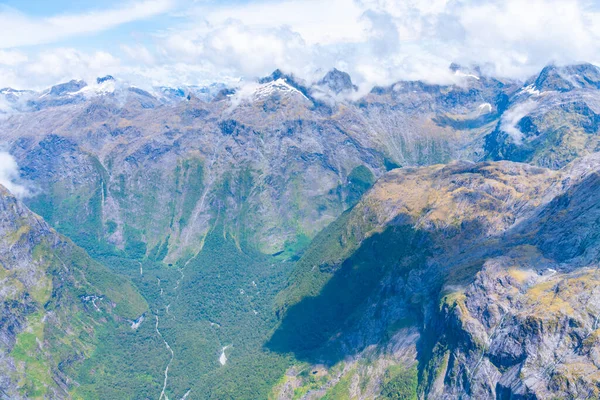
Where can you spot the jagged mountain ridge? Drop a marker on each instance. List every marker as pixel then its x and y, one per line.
pixel 409 123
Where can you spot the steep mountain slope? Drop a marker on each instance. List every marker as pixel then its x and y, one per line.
pixel 492 266
pixel 57 305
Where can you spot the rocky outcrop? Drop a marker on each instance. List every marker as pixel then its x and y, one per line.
pixel 522 331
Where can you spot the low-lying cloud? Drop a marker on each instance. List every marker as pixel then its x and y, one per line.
pixel 10 177
pixel 511 118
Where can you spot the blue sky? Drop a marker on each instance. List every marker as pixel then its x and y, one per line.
pixel 46 7
pixel 101 38
pixel 180 42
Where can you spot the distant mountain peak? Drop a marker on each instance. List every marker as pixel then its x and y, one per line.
pixel 338 81
pixel 68 87
pixel 567 78
pixel 8 91
pixel 279 80
pixel 11 90
pixel 275 75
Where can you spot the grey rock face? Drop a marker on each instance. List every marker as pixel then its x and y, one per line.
pixel 563 79
pixel 105 79
pixel 338 81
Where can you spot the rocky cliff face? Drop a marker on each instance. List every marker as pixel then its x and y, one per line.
pixel 520 331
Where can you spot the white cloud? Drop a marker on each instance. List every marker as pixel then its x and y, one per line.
pixel 57 65
pixel 9 175
pixel 377 41
pixel 12 58
pixel 520 37
pixel 138 53
pixel 382 41
pixel 317 21
pixel 511 118
pixel 17 29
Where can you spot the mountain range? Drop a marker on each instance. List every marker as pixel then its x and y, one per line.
pixel 287 239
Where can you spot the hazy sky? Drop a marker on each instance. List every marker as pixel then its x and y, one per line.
pixel 178 42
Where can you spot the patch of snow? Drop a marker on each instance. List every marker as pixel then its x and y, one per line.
pixel 279 85
pixel 484 108
pixel 14 92
pixel 531 90
pixel 463 75
pixel 97 89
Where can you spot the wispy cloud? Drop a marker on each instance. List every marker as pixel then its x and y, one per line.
pixel 511 118
pixel 12 58
pixel 57 65
pixel 316 21
pixel 9 175
pixel 17 29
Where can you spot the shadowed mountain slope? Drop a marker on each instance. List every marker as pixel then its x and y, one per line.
pixel 492 264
